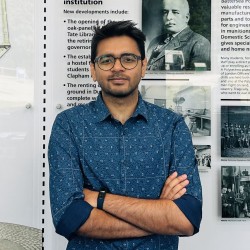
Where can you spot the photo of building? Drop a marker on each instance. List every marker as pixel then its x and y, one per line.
pixel 192 102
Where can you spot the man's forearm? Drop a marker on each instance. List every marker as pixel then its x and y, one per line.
pixel 156 216
pixel 102 225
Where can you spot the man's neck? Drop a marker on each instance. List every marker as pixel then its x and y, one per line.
pixel 121 108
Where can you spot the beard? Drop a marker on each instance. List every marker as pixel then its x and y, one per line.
pixel 119 93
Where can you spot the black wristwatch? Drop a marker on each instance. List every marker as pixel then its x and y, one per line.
pixel 100 199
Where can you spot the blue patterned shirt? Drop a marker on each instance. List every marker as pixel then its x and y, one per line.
pixel 89 148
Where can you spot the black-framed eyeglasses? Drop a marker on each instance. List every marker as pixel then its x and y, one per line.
pixel 127 60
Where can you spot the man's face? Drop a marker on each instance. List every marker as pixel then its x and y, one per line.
pixel 175 15
pixel 118 81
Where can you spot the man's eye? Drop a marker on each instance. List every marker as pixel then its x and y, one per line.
pixel 128 59
pixel 106 60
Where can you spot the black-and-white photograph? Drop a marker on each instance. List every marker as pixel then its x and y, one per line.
pixel 235 131
pixel 192 102
pixel 203 156
pixel 178 34
pixel 235 192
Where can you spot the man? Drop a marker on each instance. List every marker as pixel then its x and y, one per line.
pixel 231 202
pixel 224 201
pixel 119 166
pixel 225 136
pixel 178 40
pixel 236 135
pixel 247 139
pixel 231 136
pixel 242 139
pixel 241 202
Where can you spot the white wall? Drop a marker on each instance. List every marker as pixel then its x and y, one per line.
pixel 18 170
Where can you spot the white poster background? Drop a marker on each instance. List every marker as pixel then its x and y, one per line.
pixel 215 233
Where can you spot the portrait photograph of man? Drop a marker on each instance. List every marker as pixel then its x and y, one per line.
pixel 178 34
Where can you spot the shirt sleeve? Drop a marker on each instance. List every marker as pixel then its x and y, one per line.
pixel 184 162
pixel 192 208
pixel 69 210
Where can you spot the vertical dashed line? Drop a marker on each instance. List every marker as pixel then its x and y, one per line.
pixel 44 65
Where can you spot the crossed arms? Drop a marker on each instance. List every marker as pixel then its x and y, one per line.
pixel 125 217
pixel 175 212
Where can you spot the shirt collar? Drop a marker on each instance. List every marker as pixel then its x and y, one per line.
pixel 175 34
pixel 103 113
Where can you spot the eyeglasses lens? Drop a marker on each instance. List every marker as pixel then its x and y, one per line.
pixel 107 62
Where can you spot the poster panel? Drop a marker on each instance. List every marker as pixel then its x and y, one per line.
pixel 203 92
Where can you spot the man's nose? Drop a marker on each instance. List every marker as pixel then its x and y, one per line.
pixel 117 65
pixel 169 15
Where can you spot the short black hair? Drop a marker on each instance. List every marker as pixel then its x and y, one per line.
pixel 118 28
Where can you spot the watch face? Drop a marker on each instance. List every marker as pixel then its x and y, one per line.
pixel 100 198
pixel 102 193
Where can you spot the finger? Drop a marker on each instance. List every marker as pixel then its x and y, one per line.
pixel 171 177
pixel 179 194
pixel 172 181
pixel 169 192
pixel 178 189
pixel 173 194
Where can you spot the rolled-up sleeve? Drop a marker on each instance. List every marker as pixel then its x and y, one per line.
pixel 192 208
pixel 69 210
pixel 184 162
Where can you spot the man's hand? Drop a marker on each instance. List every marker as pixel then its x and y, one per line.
pixel 174 187
pixel 165 216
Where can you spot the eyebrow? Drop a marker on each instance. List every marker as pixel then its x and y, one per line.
pixel 125 53
pixel 171 9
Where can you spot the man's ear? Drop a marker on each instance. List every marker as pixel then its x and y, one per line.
pixel 188 17
pixel 92 71
pixel 144 67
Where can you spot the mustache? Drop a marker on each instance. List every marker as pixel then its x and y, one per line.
pixel 170 23
pixel 118 75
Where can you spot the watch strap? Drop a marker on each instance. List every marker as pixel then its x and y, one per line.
pixel 100 199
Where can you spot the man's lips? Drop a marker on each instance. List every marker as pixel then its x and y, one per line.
pixel 118 79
